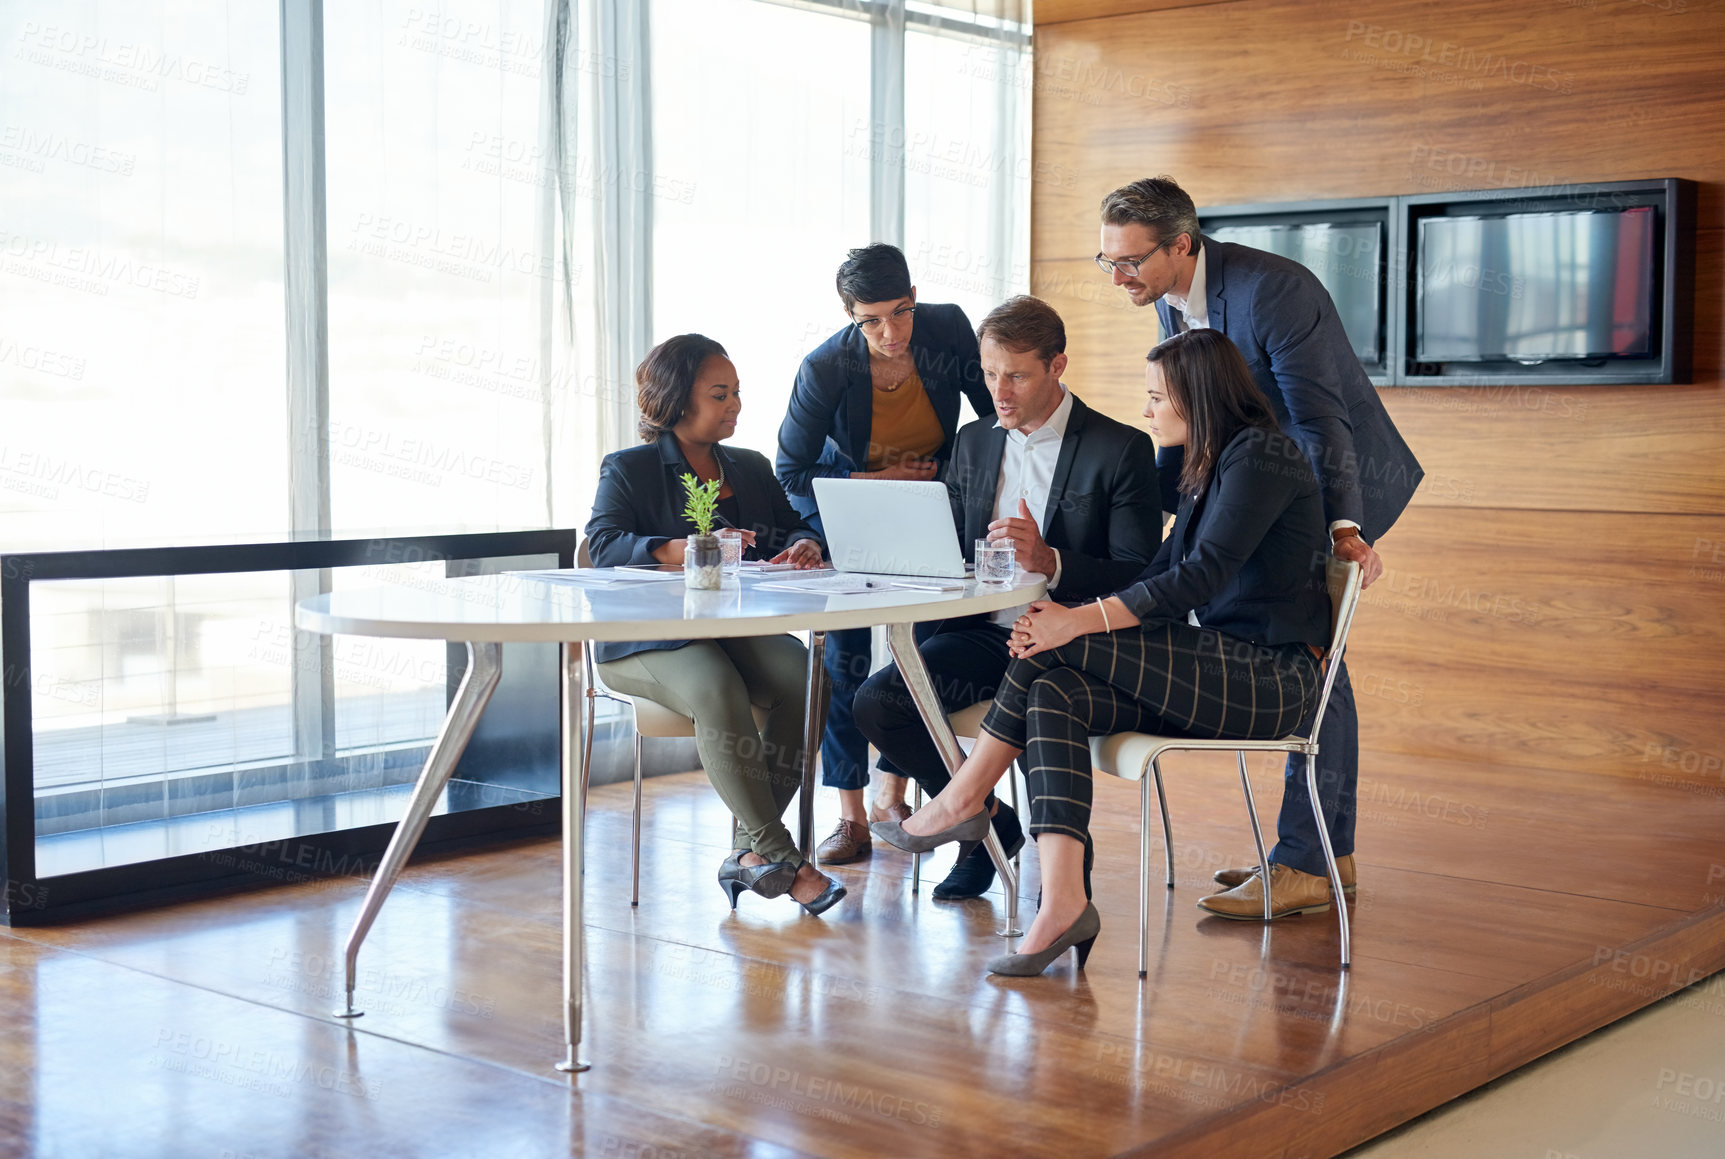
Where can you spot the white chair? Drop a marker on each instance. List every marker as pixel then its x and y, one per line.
pixel 652 719
pixel 1130 755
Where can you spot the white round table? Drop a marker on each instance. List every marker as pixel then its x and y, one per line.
pixel 485 612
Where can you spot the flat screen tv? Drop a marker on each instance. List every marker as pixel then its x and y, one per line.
pixel 1535 287
pixel 1346 258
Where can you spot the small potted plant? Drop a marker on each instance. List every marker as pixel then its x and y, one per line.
pixel 702 569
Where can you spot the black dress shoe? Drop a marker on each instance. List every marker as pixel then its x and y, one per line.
pixel 973 872
pixel 770 880
pixel 829 897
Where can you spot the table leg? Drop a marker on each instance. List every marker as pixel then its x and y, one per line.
pixel 814 727
pixel 484 666
pixel 901 638
pixel 576 773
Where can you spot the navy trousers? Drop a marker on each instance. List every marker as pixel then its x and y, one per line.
pixel 1297 844
pixel 844 750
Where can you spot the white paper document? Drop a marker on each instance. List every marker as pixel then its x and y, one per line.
pixel 849 583
pixel 600 577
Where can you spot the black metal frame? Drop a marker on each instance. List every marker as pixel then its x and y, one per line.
pixel 30 900
pixel 1673 200
pixel 1353 209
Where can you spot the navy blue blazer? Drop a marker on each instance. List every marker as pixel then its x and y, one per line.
pixel 827 426
pixel 639 507
pixel 1282 319
pixel 1104 512
pixel 1248 554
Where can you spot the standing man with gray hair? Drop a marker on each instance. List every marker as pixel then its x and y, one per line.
pixel 1282 319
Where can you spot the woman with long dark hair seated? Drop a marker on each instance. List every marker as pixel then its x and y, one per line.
pixel 1220 637
pixel 689 401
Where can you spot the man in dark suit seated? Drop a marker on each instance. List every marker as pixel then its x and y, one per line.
pixel 1076 494
pixel 1282 319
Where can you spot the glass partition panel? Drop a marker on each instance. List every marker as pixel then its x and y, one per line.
pixel 186 714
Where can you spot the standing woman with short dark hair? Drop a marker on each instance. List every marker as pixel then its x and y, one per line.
pixel 689 399
pixel 1219 637
pixel 877 400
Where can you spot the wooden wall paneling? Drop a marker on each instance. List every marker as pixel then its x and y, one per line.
pixel 1283 99
pixel 1581 640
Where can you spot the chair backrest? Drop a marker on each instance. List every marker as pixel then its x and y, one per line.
pixel 583 554
pixel 1342 577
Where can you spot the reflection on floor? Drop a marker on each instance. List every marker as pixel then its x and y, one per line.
pixel 1498 917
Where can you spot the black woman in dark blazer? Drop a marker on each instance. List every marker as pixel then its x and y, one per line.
pixel 1219 637
pixel 689 402
pixel 877 400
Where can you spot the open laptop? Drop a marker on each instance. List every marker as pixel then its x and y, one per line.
pixel 889 527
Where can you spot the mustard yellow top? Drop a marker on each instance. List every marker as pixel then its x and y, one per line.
pixel 904 425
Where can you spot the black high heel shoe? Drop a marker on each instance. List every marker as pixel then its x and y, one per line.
pixel 770 880
pixel 1080 935
pixel 823 901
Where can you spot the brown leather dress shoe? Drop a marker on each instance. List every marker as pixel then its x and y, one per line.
pixel 1229 878
pixel 849 842
pixel 1291 892
pixel 900 812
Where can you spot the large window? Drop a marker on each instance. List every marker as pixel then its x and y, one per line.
pixel 769 184
pixel 966 159
pixel 437 270
pixel 141 344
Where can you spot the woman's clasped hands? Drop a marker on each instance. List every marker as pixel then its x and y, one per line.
pixel 1044 626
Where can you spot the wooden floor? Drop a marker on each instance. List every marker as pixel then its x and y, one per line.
pixel 1499 916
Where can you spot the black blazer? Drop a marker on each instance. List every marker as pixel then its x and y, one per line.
pixel 1104 512
pixel 831 413
pixel 639 506
pixel 1282 319
pixel 1248 554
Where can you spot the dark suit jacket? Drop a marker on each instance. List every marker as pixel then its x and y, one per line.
pixel 1248 554
pixel 827 426
pixel 1282 319
pixel 1104 512
pixel 639 506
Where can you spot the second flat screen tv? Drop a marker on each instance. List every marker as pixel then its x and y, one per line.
pixel 1535 287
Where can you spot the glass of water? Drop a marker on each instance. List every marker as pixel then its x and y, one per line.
pixel 994 562
pixel 730 551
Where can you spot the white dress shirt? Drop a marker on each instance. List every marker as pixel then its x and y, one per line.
pixel 1195 306
pixel 1027 472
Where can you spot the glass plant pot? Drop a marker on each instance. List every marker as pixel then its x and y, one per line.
pixel 702 564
